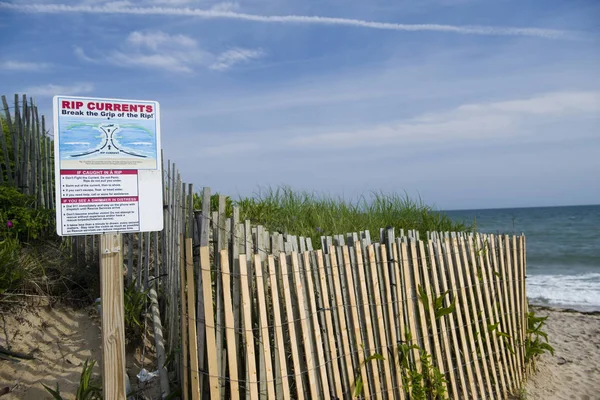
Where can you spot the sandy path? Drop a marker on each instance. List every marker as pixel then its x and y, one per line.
pixel 61 340
pixel 574 371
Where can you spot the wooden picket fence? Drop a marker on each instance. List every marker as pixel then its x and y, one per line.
pixel 27 151
pixel 321 324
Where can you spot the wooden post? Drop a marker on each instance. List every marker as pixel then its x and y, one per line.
pixel 113 323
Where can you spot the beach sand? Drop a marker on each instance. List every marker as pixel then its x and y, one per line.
pixel 61 339
pixel 574 370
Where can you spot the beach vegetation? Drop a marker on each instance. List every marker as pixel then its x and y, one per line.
pixel 135 302
pixel 427 384
pixel 311 215
pixel 88 388
pixel 536 340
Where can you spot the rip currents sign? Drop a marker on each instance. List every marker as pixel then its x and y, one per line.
pixel 108 175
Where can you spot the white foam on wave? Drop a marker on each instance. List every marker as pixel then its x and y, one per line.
pixel 575 291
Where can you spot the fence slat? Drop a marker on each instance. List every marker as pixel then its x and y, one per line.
pixel 387 271
pixel 419 263
pixel 340 305
pixel 473 281
pixel 448 285
pixel 264 327
pixel 368 341
pixel 230 328
pixel 318 341
pixel 505 316
pixel 410 297
pixel 279 341
pixel 514 306
pixel 336 373
pixel 191 302
pixel 295 341
pixel 309 351
pixel 379 317
pixel 355 322
pixel 211 343
pixel 467 298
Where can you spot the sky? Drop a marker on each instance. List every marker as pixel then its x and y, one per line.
pixel 462 103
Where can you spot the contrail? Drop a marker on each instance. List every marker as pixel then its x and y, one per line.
pixel 287 19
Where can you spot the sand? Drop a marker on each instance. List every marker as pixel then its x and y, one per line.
pixel 61 339
pixel 574 370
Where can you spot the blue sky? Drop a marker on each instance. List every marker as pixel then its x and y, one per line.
pixel 465 103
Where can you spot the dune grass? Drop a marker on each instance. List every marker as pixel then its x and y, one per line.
pixel 313 215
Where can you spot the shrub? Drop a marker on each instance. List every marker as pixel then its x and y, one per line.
pixel 19 216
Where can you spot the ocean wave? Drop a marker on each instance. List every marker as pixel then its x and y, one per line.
pixel 572 291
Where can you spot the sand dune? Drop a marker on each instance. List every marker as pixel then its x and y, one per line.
pixel 574 370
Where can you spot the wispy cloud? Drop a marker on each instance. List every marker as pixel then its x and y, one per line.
pixel 174 53
pixel 112 8
pixel 14 65
pixel 232 57
pixel 52 89
pixel 501 119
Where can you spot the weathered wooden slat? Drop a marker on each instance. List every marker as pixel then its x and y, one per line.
pixel 391 321
pixel 380 318
pixel 211 342
pixel 200 307
pixel 191 302
pixel 437 289
pixel 410 298
pixel 344 345
pixel 499 312
pixel 295 340
pixel 449 286
pixel 9 171
pixel 318 338
pixel 507 321
pixel 461 304
pixel 278 307
pixel 515 304
pixel 473 281
pixel 337 375
pixel 355 323
pixel 419 263
pixel 230 328
pixel 309 351
pixel 264 328
pixel 522 288
pixel 466 298
pixel 496 359
pixel 368 342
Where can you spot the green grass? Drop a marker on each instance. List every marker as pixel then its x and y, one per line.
pixel 312 215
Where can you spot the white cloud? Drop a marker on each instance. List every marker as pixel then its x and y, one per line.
pixel 467 122
pixel 287 19
pixel 174 53
pixel 52 90
pixel 13 65
pixel 232 57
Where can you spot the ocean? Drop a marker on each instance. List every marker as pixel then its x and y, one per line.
pixel 563 250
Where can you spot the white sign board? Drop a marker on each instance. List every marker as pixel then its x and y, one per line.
pixel 107 162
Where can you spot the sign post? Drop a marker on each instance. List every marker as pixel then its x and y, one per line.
pixel 108 181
